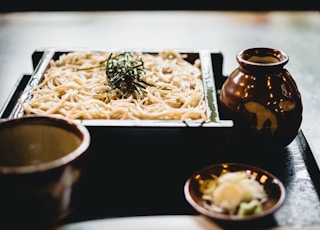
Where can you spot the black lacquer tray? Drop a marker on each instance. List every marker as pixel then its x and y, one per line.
pixel 142 171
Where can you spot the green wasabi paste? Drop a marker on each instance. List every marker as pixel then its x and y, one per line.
pixel 252 207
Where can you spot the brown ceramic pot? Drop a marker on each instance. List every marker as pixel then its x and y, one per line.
pixel 262 98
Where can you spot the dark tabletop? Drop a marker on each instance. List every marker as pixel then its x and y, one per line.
pixel 295 32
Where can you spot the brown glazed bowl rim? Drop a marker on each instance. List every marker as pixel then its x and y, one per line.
pixel 58 121
pixel 281 56
pixel 275 190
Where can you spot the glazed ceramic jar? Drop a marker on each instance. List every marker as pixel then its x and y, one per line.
pixel 262 98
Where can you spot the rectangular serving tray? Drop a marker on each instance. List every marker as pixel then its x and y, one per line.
pixel 41 62
pixel 138 171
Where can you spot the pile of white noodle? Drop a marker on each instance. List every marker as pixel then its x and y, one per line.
pixel 178 95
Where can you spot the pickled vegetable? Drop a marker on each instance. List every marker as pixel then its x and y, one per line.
pixel 234 193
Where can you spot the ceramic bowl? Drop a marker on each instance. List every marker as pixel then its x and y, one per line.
pixel 273 187
pixel 42 162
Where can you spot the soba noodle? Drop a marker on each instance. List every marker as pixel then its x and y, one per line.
pixel 74 86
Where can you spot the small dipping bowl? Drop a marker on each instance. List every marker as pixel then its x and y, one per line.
pixel 41 167
pixel 273 187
